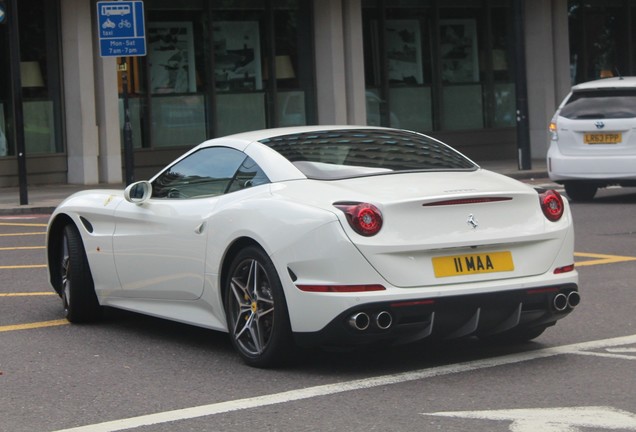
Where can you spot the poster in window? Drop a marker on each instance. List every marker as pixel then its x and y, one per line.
pixel 458 49
pixel 404 51
pixel 171 57
pixel 237 56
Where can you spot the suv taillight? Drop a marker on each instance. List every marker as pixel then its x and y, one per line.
pixel 552 205
pixel 364 218
pixel 554 135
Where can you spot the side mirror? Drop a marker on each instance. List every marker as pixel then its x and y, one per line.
pixel 138 192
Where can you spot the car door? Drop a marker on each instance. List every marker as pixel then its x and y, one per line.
pixel 160 245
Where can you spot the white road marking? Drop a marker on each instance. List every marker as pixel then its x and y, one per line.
pixel 622 353
pixel 606 355
pixel 553 419
pixel 621 350
pixel 341 387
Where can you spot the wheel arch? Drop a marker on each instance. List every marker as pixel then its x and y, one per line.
pixel 232 250
pixel 277 347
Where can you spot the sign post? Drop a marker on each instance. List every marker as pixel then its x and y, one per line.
pixel 10 16
pixel 122 33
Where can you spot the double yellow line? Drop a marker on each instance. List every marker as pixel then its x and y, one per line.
pixel 23 266
pixel 34 325
pixel 20 234
pixel 23 224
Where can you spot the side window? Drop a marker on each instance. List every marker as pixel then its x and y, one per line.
pixel 207 172
pixel 249 174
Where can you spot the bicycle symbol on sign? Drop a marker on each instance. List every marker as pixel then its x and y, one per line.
pixel 124 23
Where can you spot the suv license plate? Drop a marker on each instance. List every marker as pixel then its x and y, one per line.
pixel 462 265
pixel 603 138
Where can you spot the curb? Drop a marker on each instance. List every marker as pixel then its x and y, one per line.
pixel 16 211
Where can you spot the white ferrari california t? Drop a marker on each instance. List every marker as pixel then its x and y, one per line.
pixel 321 236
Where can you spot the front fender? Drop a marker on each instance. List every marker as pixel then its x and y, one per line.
pixel 91 212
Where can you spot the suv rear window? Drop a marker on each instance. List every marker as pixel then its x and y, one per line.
pixel 339 154
pixel 600 104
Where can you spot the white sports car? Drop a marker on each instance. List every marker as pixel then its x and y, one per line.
pixel 321 236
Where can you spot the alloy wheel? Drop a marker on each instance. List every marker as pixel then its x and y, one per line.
pixel 65 272
pixel 251 307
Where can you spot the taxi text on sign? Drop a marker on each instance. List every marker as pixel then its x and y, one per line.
pixel 121 28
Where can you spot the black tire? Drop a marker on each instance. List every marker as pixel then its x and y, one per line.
pixel 257 316
pixel 516 335
pixel 580 191
pixel 77 287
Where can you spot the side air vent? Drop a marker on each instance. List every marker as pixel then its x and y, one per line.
pixel 87 224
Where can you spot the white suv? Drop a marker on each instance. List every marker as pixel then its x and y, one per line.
pixel 593 137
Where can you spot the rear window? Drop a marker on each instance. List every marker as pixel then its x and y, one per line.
pixel 329 155
pixel 600 104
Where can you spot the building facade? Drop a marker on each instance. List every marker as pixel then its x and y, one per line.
pixel 216 67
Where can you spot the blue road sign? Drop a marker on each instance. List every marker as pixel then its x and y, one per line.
pixel 121 28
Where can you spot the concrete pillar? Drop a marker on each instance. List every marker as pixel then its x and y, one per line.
pixel 354 63
pixel 79 92
pixel 330 62
pixel 547 66
pixel 563 80
pixel 106 92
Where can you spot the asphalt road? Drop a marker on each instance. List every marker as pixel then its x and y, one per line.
pixel 130 370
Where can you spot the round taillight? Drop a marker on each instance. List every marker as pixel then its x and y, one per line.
pixel 552 205
pixel 364 218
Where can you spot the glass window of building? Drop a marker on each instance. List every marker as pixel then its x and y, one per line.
pixel 461 32
pixel 293 65
pixel 500 73
pixel 217 68
pixel 398 64
pixel 599 39
pixel 240 43
pixel 40 80
pixel 175 73
pixel 263 65
pixel 434 65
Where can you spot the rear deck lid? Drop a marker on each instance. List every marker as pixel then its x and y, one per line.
pixel 447 227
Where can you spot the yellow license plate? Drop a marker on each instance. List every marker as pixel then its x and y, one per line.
pixel 603 138
pixel 462 265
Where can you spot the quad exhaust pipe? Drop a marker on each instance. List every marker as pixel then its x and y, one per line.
pixel 574 298
pixel 383 320
pixel 562 301
pixel 361 321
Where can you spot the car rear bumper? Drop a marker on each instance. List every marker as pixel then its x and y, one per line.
pixel 602 169
pixel 446 317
